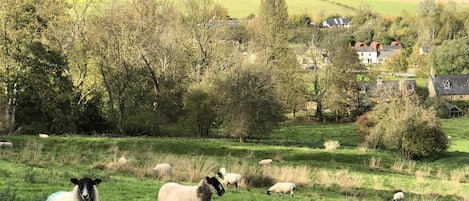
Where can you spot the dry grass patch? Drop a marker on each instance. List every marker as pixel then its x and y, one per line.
pixel 422 174
pixel 402 166
pixel 374 163
pixel 331 145
pixel 340 178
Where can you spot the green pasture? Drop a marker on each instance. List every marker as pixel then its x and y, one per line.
pixel 35 168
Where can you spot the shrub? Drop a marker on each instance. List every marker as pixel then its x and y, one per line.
pixel 401 124
pixel 331 145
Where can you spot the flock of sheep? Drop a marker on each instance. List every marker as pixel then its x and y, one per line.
pixel 85 188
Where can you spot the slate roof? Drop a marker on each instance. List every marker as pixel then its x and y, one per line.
pixel 451 84
pixel 364 49
pixel 394 85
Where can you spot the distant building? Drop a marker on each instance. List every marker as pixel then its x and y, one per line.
pixel 376 53
pixel 449 87
pixel 336 22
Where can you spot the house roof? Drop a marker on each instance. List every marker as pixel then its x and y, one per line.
pixel 337 21
pixel 450 84
pixel 384 54
pixel 425 48
pixel 393 84
pixel 364 49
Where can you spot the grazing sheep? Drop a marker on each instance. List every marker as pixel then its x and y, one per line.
pixel 6 144
pixel 229 178
pixel 43 135
pixel 265 162
pixel 84 190
pixel 281 188
pixel 398 196
pixel 163 169
pixel 203 192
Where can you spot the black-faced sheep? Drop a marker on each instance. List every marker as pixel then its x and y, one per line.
pixel 229 178
pixel 265 162
pixel 163 169
pixel 398 196
pixel 281 188
pixel 203 192
pixel 84 190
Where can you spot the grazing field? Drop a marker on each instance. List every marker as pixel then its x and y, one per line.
pixel 243 8
pixel 36 167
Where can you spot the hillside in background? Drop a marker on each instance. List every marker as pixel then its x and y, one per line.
pixel 325 8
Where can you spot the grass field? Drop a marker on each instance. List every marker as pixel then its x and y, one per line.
pixel 242 8
pixel 35 167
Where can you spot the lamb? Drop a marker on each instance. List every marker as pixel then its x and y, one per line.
pixel 84 190
pixel 398 196
pixel 281 188
pixel 6 144
pixel 265 162
pixel 202 192
pixel 163 169
pixel 229 178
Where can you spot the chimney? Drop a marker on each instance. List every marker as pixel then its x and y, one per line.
pixel 432 72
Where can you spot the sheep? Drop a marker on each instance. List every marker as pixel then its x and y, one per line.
pixel 202 192
pixel 281 188
pixel 6 144
pixel 229 178
pixel 398 196
pixel 265 162
pixel 163 169
pixel 43 135
pixel 84 190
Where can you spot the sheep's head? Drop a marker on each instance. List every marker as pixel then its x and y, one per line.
pixel 86 190
pixel 218 187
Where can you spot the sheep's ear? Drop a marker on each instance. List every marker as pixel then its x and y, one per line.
pixel 74 181
pixel 97 181
pixel 219 174
pixel 207 178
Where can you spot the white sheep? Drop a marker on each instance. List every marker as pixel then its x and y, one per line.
pixel 41 135
pixel 6 144
pixel 398 196
pixel 229 178
pixel 84 190
pixel 265 162
pixel 202 192
pixel 281 188
pixel 163 168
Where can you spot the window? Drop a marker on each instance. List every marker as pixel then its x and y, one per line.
pixel 446 84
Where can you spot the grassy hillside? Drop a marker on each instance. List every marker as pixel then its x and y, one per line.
pixel 37 167
pixel 242 8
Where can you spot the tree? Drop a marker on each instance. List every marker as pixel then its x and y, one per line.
pixel 247 101
pixel 450 57
pixel 272 41
pixel 402 124
pixel 339 81
pixel 34 70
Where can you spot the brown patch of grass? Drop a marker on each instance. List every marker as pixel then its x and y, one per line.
pixel 331 145
pixel 375 163
pixel 403 166
pixel 422 174
pixel 340 178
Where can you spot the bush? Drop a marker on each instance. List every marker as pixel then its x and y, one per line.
pixel 403 125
